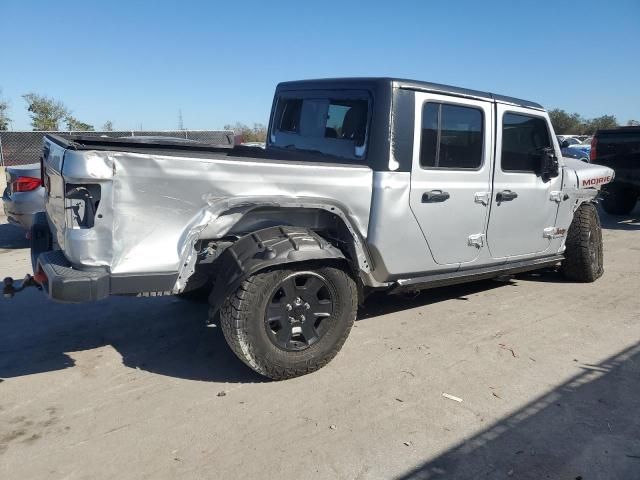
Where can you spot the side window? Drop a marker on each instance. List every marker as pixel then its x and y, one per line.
pixel 523 139
pixel 290 115
pixel 452 136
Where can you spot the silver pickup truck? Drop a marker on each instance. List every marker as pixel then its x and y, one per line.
pixel 365 184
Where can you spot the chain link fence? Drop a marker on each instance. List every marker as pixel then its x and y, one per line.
pixel 22 148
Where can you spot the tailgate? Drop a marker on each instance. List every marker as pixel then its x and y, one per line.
pixel 52 158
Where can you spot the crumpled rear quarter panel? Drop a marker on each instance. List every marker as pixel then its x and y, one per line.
pixel 154 207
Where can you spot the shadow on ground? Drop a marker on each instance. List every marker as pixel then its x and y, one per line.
pixel 587 428
pixel 165 335
pixel 12 237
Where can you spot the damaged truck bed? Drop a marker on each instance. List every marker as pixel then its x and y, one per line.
pixel 156 200
pixel 365 184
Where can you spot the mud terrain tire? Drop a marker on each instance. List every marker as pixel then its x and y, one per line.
pixel 259 317
pixel 583 259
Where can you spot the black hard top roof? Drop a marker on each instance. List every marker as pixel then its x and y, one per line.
pixel 355 82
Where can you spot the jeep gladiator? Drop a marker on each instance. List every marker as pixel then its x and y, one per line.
pixel 365 184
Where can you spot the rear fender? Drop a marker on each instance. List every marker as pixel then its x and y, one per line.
pixel 223 214
pixel 260 250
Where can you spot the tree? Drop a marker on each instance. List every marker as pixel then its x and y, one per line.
pixel 633 123
pixel 4 118
pixel 566 123
pixel 256 134
pixel 73 124
pixel 601 123
pixel 46 113
pixel 108 126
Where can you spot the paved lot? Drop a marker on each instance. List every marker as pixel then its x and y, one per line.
pixel 548 371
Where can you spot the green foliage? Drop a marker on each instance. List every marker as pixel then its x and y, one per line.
pixel 633 123
pixel 603 122
pixel 108 126
pixel 256 134
pixel 566 123
pixel 573 124
pixel 46 113
pixel 4 118
pixel 74 124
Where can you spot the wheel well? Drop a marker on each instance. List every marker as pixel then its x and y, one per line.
pixel 324 222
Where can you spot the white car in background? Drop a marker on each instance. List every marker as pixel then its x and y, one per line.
pixel 24 195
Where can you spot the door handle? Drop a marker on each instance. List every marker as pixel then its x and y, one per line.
pixel 435 196
pixel 506 196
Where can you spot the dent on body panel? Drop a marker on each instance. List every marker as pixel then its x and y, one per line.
pixel 164 204
pixel 154 202
pixel 395 239
pixel 91 247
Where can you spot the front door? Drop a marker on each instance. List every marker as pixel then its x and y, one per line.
pixel 522 204
pixel 451 175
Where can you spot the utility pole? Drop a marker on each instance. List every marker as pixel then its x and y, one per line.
pixel 180 124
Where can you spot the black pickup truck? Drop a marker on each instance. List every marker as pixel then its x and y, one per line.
pixel 619 149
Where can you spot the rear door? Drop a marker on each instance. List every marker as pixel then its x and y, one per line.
pixel 451 174
pixel 523 206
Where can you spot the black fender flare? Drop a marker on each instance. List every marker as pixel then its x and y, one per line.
pixel 263 249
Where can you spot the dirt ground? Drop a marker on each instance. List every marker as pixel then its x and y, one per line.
pixel 548 373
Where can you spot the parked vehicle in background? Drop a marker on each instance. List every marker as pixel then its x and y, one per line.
pixel 572 148
pixel 567 141
pixel 24 195
pixel 366 184
pixel 619 149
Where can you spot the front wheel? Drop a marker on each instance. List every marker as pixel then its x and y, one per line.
pixel 583 258
pixel 287 323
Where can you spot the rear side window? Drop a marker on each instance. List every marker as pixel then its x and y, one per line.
pixel 290 115
pixel 523 140
pixel 334 124
pixel 452 136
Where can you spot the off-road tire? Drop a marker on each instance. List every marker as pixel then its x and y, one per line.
pixel 583 259
pixel 242 318
pixel 618 200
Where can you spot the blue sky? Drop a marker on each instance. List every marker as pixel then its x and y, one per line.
pixel 138 63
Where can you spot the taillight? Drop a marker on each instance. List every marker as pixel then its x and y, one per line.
pixel 25 184
pixel 594 143
pixel 40 277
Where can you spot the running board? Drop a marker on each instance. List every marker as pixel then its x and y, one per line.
pixel 472 275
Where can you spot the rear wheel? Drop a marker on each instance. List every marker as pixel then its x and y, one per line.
pixel 619 200
pixel 286 323
pixel 583 258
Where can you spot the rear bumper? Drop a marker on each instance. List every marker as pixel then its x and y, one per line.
pixel 64 283
pixel 67 283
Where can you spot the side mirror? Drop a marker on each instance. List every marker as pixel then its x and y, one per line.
pixel 549 166
pixel 564 144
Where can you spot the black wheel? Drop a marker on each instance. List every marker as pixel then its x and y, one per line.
pixel 583 259
pixel 618 200
pixel 287 323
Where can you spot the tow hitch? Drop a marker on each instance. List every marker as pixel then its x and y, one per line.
pixel 9 288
